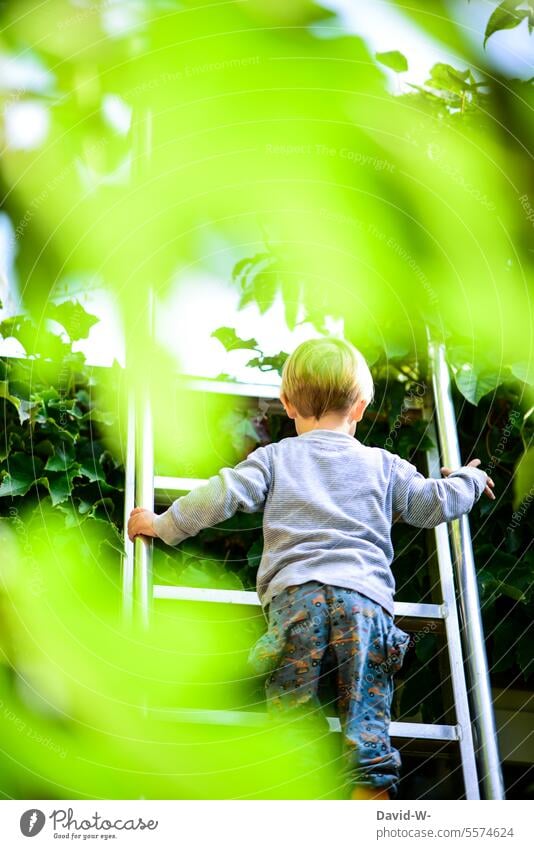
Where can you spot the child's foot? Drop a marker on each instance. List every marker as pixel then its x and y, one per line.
pixel 373 793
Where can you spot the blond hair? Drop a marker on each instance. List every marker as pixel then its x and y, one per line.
pixel 323 375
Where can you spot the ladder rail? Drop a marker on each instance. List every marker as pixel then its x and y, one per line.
pixel 144 496
pixel 128 567
pixel 452 631
pixel 472 633
pixel 139 386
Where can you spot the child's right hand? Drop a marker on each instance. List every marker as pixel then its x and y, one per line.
pixel 488 490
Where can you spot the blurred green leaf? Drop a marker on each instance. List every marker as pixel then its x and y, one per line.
pixel 508 15
pixel 73 317
pixel 524 371
pixel 393 59
pixel 231 341
pixel 265 288
pixel 524 479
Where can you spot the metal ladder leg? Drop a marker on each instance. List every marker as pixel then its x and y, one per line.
pixel 144 496
pixel 452 635
pixel 137 574
pixel 472 633
pixel 129 503
pixel 137 583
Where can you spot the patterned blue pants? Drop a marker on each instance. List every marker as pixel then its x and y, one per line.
pixel 305 622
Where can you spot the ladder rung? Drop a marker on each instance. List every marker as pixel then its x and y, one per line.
pixel 409 615
pixel 228 387
pixel 199 594
pixel 400 730
pixel 166 484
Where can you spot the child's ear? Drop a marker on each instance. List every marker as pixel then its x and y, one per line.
pixel 359 409
pixel 288 407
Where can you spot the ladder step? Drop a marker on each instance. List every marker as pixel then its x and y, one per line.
pixel 163 485
pixel 199 594
pixel 409 616
pixel 251 719
pixel 270 391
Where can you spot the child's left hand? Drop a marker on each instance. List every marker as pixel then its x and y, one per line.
pixel 140 523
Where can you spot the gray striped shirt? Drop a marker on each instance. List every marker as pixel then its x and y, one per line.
pixel 328 502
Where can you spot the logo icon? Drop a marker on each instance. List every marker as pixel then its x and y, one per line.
pixel 32 822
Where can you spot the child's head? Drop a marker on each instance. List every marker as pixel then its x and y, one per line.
pixel 326 376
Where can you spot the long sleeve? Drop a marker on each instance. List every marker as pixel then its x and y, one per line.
pixel 426 502
pixel 244 487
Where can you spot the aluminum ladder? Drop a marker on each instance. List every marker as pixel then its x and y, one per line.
pixel 458 615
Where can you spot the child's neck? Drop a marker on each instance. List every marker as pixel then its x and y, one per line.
pixel 328 422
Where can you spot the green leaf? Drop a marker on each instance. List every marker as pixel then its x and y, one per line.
pixel 475 384
pixel 105 417
pixel 524 371
pixel 52 428
pixel 507 15
pixel 487 583
pixel 524 656
pixel 22 472
pixel 231 341
pixel 105 507
pixel 36 342
pixel 291 291
pixel 87 454
pixel 393 59
pixel 275 363
pixel 446 78
pixel 425 648
pixel 73 317
pixel 504 635
pixel 62 458
pixel 230 581
pixel 254 554
pixel 265 287
pixel 204 573
pixel 6 443
pixel 242 268
pixel 59 486
pixel 524 480
pixel 239 427
pixel 512 592
pixel 12 399
pixel 396 344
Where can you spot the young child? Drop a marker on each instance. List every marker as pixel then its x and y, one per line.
pixel 324 580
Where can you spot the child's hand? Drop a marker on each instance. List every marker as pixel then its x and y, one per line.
pixel 488 490
pixel 140 523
